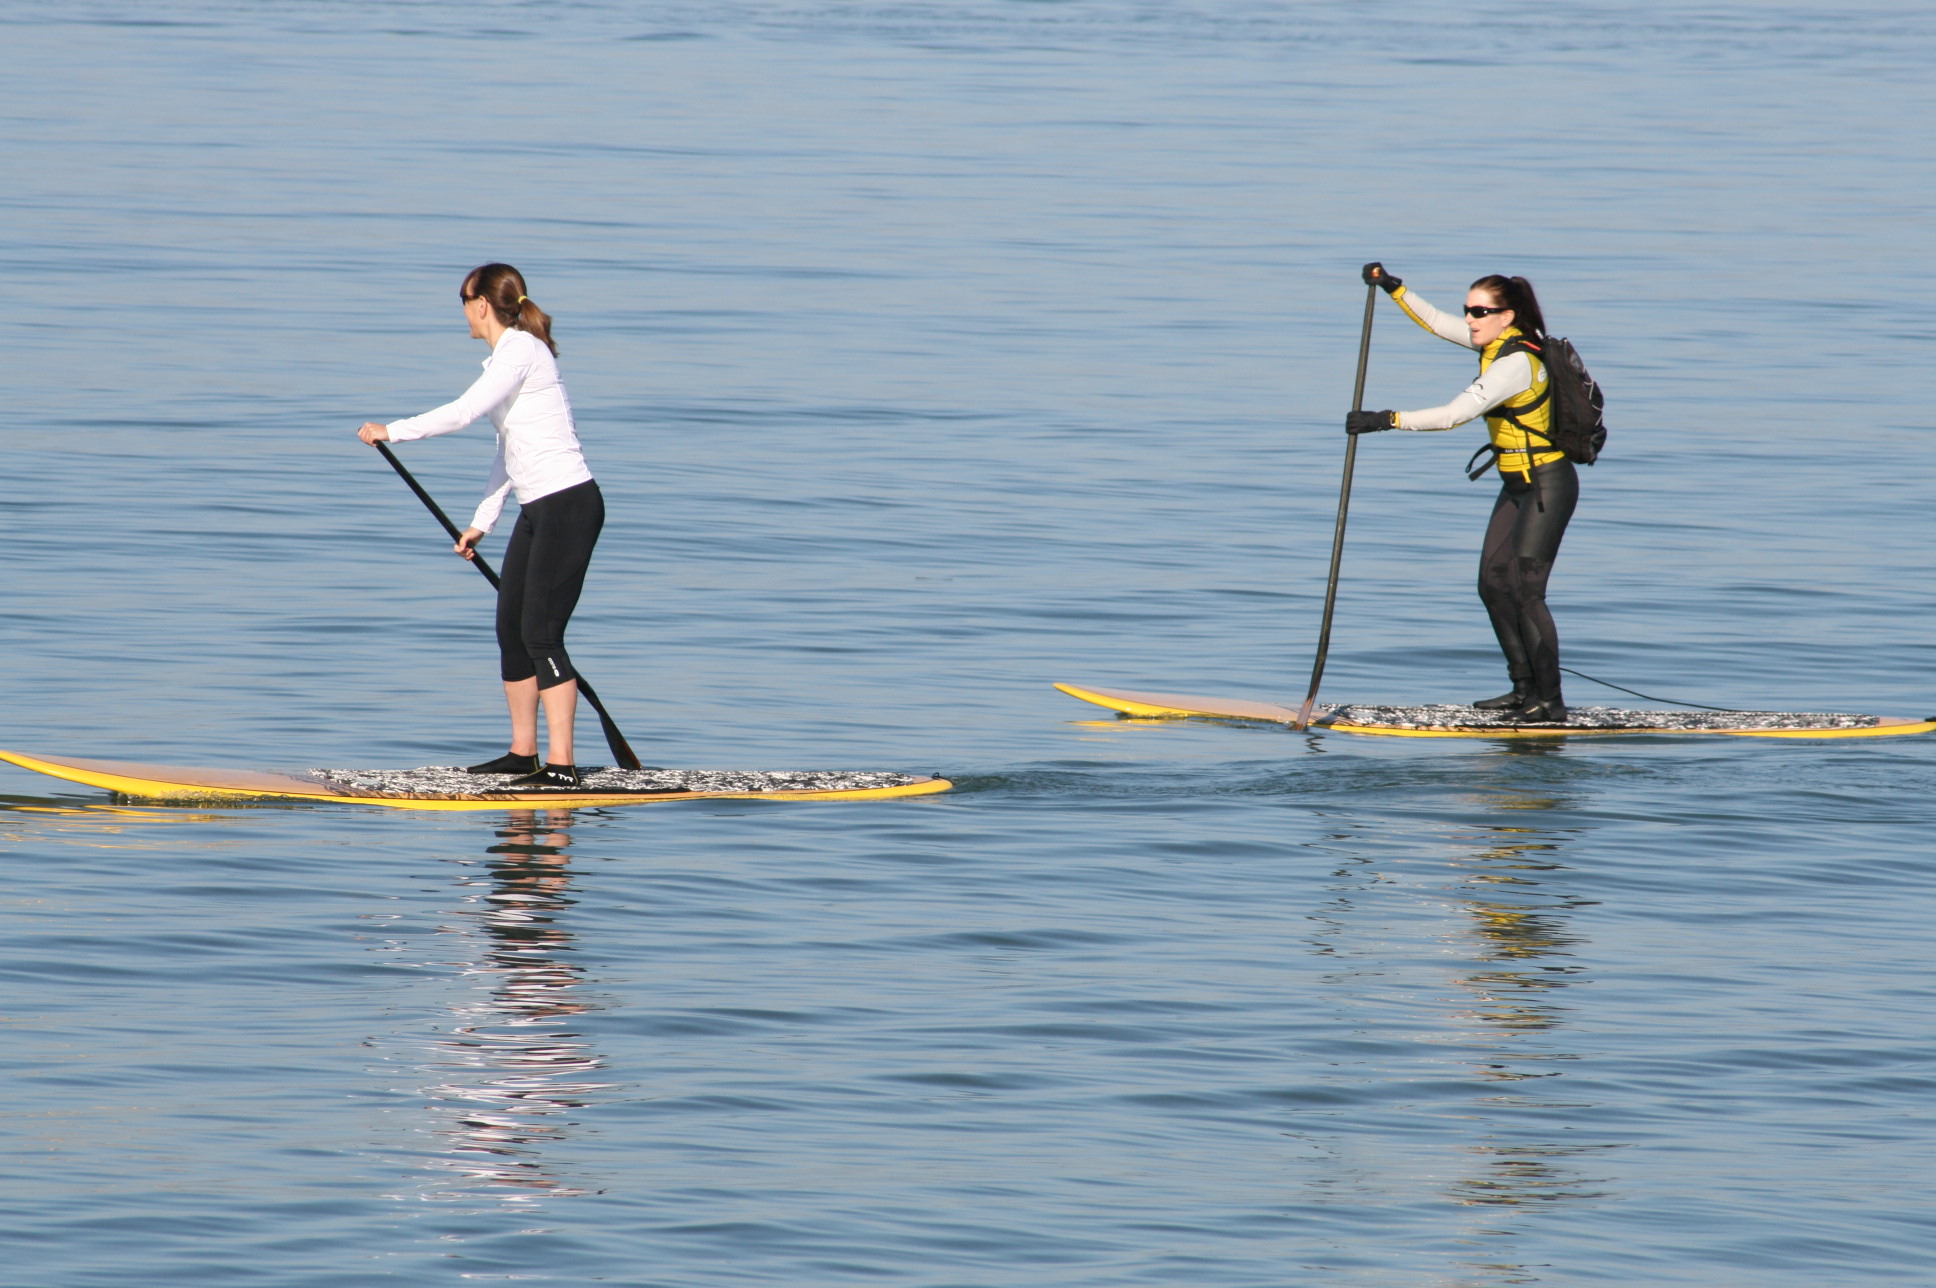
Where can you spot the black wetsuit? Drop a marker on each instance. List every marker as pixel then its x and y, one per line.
pixel 1522 542
pixel 544 571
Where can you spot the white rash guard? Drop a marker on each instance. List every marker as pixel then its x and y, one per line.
pixel 1506 378
pixel 537 444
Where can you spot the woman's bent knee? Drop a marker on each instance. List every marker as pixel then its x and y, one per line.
pixel 553 669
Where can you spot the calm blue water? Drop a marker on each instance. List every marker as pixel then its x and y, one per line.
pixel 928 353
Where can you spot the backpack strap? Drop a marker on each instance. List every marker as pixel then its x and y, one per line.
pixel 1475 469
pixel 1520 344
pixel 1504 413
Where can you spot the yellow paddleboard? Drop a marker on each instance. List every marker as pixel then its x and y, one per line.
pixel 1446 721
pixel 446 789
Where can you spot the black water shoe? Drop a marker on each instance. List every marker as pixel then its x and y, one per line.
pixel 1549 711
pixel 1504 702
pixel 549 778
pixel 509 763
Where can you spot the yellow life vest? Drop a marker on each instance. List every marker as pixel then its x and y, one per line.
pixel 1511 440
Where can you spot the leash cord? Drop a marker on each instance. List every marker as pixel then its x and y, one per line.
pixel 1673 702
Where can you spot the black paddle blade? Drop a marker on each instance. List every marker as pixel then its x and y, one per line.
pixel 621 749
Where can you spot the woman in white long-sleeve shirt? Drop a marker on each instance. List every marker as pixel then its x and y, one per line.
pixel 559 518
pixel 1539 486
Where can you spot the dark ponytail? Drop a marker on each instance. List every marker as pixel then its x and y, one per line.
pixel 502 287
pixel 1515 293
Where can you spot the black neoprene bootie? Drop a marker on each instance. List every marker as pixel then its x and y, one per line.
pixel 509 763
pixel 1541 711
pixel 1505 701
pixel 551 776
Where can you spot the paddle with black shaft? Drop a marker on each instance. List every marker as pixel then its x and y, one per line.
pixel 1303 720
pixel 621 750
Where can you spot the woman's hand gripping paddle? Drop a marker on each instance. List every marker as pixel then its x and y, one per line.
pixel 621 750
pixel 1303 720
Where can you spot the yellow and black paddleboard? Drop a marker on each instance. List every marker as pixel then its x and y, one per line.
pixel 1447 721
pixel 446 788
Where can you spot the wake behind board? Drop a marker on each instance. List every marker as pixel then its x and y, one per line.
pixel 1448 721
pixel 445 788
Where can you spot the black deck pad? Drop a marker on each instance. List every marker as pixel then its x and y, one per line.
pixel 1449 716
pixel 452 781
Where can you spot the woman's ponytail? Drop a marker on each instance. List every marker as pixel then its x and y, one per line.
pixel 503 288
pixel 538 322
pixel 1515 293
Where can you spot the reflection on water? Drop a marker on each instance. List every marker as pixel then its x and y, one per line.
pixel 1521 927
pixel 1521 945
pixel 1504 1007
pixel 511 1070
pixel 119 826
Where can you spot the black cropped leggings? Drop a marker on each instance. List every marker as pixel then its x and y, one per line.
pixel 544 571
pixel 1521 543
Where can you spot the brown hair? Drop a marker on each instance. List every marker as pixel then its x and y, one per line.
pixel 502 287
pixel 1515 293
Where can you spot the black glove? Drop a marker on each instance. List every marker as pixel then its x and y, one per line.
pixel 1368 422
pixel 1376 274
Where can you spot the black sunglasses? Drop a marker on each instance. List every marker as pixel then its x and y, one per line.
pixel 1481 311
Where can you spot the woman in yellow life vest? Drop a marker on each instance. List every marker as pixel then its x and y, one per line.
pixel 1540 487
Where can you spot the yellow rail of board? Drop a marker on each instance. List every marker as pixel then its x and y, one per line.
pixel 1178 705
pixel 233 784
pixel 1889 728
pixel 1173 706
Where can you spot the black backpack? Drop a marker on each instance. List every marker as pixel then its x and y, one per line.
pixel 1578 426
